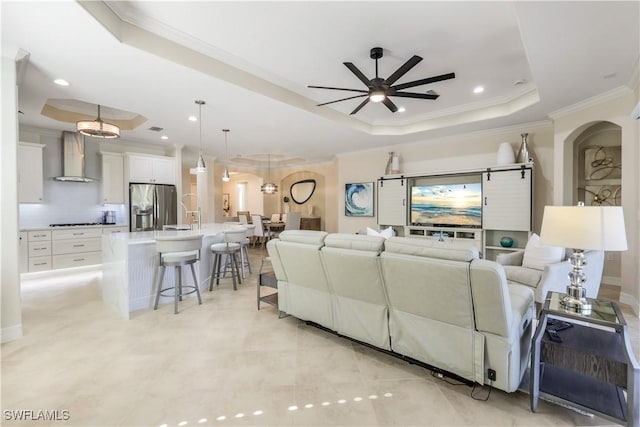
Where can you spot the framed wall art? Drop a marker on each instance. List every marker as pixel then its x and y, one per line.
pixel 358 199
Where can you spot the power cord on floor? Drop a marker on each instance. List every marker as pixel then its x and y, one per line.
pixel 441 377
pixel 480 398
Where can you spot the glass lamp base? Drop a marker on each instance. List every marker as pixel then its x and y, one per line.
pixel 575 301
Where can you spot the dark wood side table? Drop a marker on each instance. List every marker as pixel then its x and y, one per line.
pixel 267 278
pixel 592 367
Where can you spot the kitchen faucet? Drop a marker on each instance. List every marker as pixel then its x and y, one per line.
pixel 192 216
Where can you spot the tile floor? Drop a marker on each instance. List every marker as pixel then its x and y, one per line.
pixel 226 364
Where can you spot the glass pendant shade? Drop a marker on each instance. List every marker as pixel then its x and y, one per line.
pixel 269 187
pixel 201 166
pixel 98 128
pixel 225 174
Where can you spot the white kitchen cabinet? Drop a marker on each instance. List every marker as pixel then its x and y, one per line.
pixel 30 173
pixel 392 201
pixel 151 169
pixel 62 247
pixel 112 178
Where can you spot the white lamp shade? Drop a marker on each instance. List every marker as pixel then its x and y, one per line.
pixel 584 227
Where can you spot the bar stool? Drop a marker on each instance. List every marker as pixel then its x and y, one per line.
pixel 230 248
pixel 178 251
pixel 244 248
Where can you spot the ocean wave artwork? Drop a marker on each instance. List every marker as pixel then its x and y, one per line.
pixel 358 200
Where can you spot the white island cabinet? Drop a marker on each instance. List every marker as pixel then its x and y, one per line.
pixel 130 260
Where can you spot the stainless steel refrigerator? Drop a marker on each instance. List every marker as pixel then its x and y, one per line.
pixel 152 206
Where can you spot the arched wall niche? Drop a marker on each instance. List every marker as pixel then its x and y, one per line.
pixel 597 178
pixel 315 206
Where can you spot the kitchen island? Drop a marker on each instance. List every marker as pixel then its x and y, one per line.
pixel 129 266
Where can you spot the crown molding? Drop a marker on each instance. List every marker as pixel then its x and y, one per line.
pixel 590 102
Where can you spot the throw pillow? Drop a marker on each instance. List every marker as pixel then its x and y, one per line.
pixel 386 233
pixel 537 255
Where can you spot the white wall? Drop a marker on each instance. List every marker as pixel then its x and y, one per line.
pixel 11 323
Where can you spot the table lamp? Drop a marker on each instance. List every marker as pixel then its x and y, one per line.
pixel 582 228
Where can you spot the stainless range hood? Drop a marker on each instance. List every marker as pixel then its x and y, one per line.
pixel 73 158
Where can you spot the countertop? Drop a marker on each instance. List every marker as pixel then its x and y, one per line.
pixel 140 237
pixel 73 226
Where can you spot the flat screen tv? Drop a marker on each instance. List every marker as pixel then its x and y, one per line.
pixel 447 205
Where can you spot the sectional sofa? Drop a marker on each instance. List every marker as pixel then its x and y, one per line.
pixel 435 302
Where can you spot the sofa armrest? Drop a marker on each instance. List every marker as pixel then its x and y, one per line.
pixel 511 258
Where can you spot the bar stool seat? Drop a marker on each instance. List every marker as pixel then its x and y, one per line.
pixel 230 249
pixel 178 251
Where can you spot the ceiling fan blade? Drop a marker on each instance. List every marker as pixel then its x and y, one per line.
pixel 403 69
pixel 358 73
pixel 343 99
pixel 339 88
pixel 415 95
pixel 425 81
pixel 390 105
pixel 359 107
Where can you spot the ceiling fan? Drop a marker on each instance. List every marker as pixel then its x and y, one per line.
pixel 379 89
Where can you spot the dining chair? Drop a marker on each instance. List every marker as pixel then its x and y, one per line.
pixel 275 217
pixel 284 217
pixel 244 214
pixel 293 221
pixel 259 233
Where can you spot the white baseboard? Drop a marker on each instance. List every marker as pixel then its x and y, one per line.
pixel 631 301
pixel 11 333
pixel 611 280
pixel 59 272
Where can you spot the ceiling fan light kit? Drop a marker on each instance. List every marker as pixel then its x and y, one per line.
pixel 379 89
pixel 98 128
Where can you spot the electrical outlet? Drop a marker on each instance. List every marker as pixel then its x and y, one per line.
pixel 609 256
pixel 492 375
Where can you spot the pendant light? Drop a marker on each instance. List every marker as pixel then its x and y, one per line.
pixel 201 167
pixel 97 128
pixel 225 174
pixel 269 187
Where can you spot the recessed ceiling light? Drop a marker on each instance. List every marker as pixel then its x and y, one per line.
pixel 610 75
pixel 478 89
pixel 61 82
pixel 164 137
pixel 193 119
pixel 401 110
pixel 520 82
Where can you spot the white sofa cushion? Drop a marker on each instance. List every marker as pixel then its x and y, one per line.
pixel 355 241
pixel 537 255
pixel 303 236
pixel 455 251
